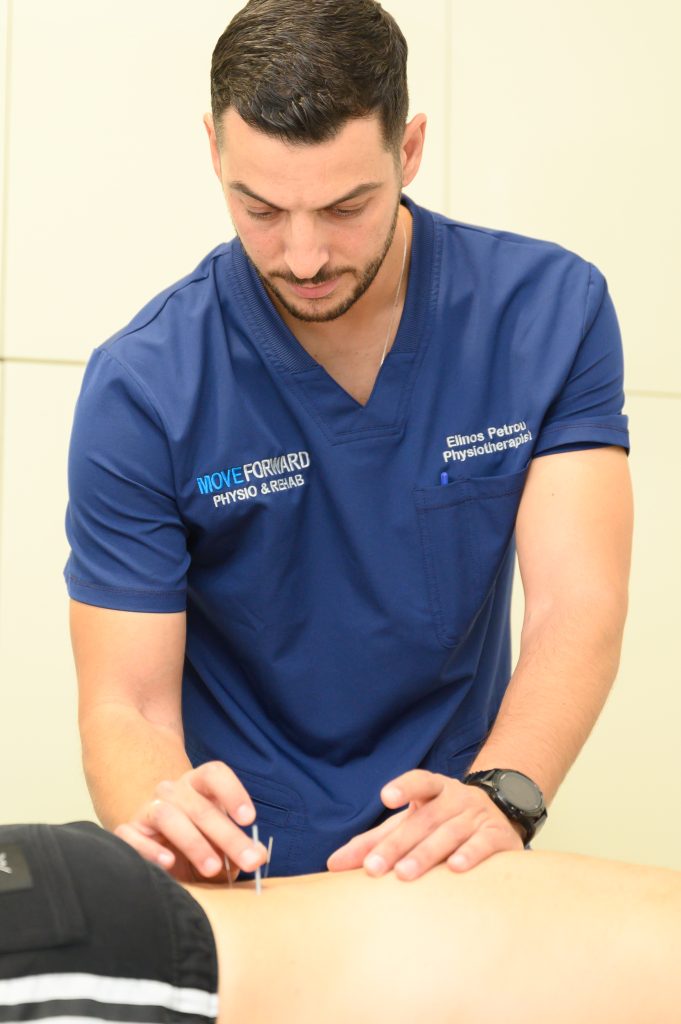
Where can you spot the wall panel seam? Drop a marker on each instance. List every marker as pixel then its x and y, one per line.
pixel 448 80
pixel 41 361
pixel 3 261
pixel 650 393
pixel 5 171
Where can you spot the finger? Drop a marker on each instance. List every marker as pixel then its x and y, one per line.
pixel 353 853
pixel 415 785
pixel 435 848
pixel 204 835
pixel 207 813
pixel 145 846
pixel 232 870
pixel 423 836
pixel 219 783
pixel 481 845
pixel 174 863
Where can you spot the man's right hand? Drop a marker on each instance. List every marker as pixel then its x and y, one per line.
pixel 189 827
pixel 130 668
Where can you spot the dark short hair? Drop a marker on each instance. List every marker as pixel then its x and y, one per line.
pixel 299 69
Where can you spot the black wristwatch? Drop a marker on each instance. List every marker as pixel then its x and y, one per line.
pixel 515 794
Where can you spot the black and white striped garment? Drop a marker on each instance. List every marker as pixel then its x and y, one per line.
pixel 92 997
pixel 89 931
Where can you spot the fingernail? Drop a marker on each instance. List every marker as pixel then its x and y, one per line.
pixel 245 814
pixel 458 861
pixel 166 859
pixel 392 793
pixel 407 868
pixel 375 864
pixel 211 866
pixel 250 858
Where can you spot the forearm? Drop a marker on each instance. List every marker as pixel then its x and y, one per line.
pixel 569 655
pixel 124 757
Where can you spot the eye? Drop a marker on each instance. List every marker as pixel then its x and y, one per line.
pixel 260 214
pixel 347 211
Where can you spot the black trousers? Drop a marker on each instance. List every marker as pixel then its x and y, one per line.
pixel 90 930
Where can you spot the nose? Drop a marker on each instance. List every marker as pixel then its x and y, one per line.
pixel 306 251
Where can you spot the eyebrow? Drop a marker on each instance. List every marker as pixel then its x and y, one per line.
pixel 360 190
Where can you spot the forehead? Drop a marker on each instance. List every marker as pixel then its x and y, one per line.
pixel 305 175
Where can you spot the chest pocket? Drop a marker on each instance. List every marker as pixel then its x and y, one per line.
pixel 465 529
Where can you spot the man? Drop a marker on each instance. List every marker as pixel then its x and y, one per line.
pixel 295 481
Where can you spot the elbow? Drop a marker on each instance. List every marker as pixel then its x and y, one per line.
pixel 594 613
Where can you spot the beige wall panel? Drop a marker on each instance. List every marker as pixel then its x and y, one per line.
pixel 564 126
pixel 111 193
pixel 428 74
pixel 39 749
pixel 621 800
pixel 4 83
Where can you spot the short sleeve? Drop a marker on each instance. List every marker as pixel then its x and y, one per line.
pixel 588 410
pixel 128 543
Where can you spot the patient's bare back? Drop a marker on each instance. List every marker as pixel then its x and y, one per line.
pixel 571 938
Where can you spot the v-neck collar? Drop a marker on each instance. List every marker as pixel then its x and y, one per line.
pixel 342 417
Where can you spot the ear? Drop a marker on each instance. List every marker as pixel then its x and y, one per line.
pixel 212 139
pixel 412 147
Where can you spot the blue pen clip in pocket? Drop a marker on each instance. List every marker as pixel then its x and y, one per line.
pixel 466 528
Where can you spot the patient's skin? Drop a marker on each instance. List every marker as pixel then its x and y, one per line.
pixel 544 936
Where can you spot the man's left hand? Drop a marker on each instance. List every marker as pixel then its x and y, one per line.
pixel 445 821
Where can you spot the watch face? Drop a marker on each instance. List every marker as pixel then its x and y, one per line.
pixel 520 791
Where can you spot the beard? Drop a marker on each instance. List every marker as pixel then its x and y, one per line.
pixel 364 278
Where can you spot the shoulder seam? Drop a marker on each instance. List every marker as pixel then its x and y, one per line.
pixel 593 271
pixel 149 397
pixel 497 233
pixel 586 300
pixel 129 372
pixel 124 333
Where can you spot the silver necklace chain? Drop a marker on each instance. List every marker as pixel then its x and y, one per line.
pixel 397 297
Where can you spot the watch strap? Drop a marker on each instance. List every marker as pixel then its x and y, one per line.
pixel 487 780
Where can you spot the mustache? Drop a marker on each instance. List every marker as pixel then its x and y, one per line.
pixel 320 278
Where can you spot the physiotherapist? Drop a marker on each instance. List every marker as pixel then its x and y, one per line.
pixel 298 479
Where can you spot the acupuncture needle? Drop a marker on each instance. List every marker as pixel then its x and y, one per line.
pixel 228 865
pixel 258 886
pixel 269 856
pixel 254 833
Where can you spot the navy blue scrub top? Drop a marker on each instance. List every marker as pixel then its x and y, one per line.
pixel 346 570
